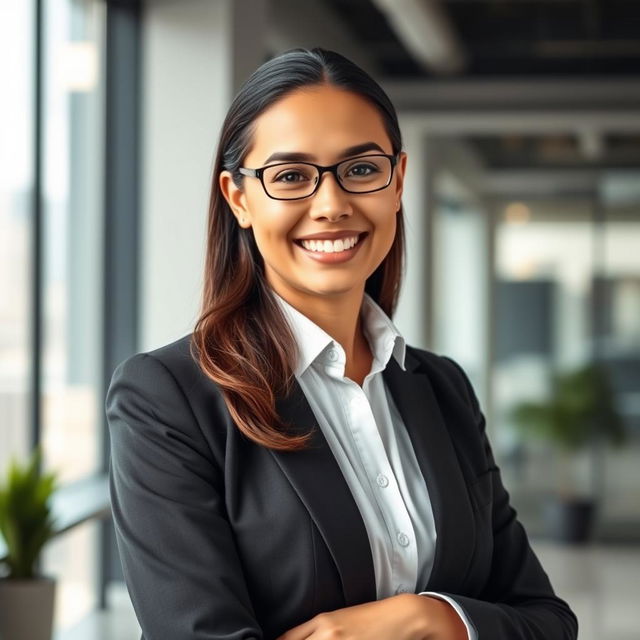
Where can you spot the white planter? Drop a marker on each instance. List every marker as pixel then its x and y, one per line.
pixel 26 609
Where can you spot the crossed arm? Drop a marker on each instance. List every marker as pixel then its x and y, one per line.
pixel 402 617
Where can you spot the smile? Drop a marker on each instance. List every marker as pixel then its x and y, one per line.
pixel 332 250
pixel 330 246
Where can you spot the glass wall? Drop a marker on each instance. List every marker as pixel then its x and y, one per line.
pixel 618 336
pixel 74 43
pixel 73 196
pixel 72 559
pixel 71 161
pixel 16 190
pixel 535 272
pixel 568 292
pixel 543 271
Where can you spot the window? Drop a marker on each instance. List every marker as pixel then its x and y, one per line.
pixel 16 189
pixel 72 255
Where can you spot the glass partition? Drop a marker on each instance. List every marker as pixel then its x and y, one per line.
pixel 73 202
pixel 16 191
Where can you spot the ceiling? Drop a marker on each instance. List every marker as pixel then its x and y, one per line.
pixel 559 151
pixel 526 38
pixel 463 58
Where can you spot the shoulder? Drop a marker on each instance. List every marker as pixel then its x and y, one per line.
pixel 169 374
pixel 447 377
pixel 164 391
pixel 175 359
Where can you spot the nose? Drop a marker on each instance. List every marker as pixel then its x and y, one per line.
pixel 330 200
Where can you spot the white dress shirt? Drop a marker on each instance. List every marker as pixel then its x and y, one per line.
pixel 372 448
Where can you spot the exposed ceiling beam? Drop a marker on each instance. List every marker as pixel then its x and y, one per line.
pixel 514 93
pixel 525 183
pixel 523 122
pixel 426 31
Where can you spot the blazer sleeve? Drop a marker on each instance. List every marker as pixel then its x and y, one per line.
pixel 518 601
pixel 177 550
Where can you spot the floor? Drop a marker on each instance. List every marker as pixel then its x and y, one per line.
pixel 599 582
pixel 601 585
pixel 117 623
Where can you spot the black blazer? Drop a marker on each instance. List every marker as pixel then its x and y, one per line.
pixel 222 538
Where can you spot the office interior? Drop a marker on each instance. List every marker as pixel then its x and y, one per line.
pixel 521 120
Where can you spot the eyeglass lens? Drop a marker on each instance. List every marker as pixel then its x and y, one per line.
pixel 297 180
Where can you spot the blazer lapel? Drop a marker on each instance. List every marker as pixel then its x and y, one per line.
pixel 315 475
pixel 455 529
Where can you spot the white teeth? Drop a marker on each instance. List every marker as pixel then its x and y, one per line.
pixel 329 246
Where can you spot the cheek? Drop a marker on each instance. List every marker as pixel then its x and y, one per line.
pixel 271 243
pixel 385 232
pixel 271 230
pixel 270 220
pixel 385 221
pixel 390 231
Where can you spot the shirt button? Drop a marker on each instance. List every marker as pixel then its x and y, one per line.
pixel 333 355
pixel 382 480
pixel 401 589
pixel 403 539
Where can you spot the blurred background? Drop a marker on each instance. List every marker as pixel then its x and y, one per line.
pixel 521 120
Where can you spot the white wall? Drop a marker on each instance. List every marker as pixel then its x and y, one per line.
pixel 186 90
pixel 412 314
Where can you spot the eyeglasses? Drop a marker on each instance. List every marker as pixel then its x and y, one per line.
pixel 296 180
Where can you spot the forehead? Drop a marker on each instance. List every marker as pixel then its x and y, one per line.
pixel 321 121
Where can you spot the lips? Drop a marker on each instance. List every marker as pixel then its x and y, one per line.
pixel 335 256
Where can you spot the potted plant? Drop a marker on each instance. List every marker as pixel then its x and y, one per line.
pixel 579 414
pixel 26 598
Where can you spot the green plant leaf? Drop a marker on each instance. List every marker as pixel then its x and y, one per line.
pixel 580 409
pixel 25 514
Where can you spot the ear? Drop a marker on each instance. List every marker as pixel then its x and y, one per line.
pixel 401 167
pixel 236 199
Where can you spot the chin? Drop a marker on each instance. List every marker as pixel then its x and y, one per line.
pixel 335 288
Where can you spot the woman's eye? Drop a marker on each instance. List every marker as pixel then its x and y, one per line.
pixel 285 177
pixel 362 170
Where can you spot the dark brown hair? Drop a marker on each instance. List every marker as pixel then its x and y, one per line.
pixel 241 339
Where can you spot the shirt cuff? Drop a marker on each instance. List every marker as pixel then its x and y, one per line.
pixel 471 630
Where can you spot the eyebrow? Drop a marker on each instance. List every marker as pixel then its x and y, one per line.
pixel 297 156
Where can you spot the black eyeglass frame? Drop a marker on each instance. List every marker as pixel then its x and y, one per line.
pixel 259 173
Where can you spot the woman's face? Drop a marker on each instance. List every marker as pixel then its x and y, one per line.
pixel 323 122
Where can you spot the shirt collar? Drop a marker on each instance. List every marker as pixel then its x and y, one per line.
pixel 314 343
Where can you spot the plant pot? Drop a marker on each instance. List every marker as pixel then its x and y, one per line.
pixel 26 608
pixel 569 519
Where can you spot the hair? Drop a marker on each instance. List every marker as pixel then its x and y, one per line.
pixel 241 339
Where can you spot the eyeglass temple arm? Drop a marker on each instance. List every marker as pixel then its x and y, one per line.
pixel 255 173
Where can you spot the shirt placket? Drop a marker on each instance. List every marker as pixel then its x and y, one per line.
pixel 400 544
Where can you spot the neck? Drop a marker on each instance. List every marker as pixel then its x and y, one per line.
pixel 338 316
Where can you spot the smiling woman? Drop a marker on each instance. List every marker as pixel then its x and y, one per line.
pixel 332 121
pixel 293 469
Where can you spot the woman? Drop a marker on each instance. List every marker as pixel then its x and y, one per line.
pixel 292 469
